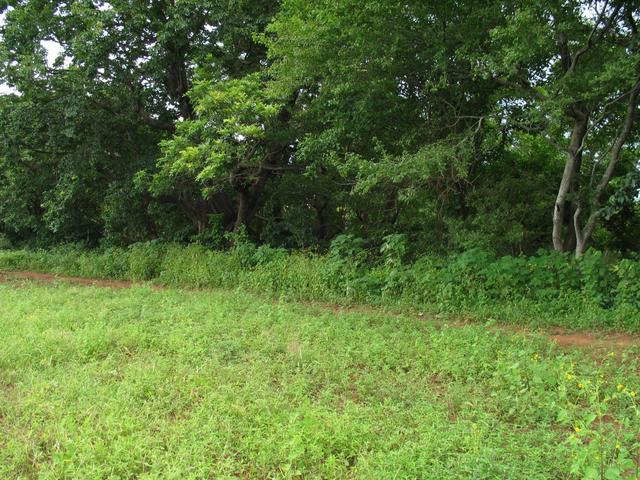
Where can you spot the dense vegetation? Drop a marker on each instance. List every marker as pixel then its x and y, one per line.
pixel 101 383
pixel 443 160
pixel 549 289
pixel 503 125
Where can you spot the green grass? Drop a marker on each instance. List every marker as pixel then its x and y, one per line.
pixel 100 383
pixel 598 292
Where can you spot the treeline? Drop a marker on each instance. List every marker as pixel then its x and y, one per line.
pixel 501 125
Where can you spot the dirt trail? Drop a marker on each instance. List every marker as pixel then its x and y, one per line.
pixel 564 339
pixel 88 282
pixel 598 340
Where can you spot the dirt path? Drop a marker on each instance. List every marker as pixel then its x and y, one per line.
pixel 598 340
pixel 87 282
pixel 564 339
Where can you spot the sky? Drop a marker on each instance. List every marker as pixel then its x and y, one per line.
pixel 52 48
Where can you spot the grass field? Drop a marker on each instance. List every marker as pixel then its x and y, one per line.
pixel 134 383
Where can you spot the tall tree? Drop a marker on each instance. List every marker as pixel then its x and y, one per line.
pixel 390 101
pixel 576 67
pixel 238 139
pixel 143 53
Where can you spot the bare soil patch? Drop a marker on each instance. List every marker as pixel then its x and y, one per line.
pixel 595 340
pixel 87 282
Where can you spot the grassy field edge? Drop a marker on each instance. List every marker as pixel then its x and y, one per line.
pixel 537 292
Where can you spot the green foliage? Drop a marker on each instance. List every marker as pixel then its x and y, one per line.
pixel 394 250
pixel 348 248
pixel 214 236
pixel 601 449
pixel 229 128
pixel 5 243
pixel 628 288
pixel 598 277
pixel 145 260
pixel 180 384
pixel 125 216
pixel 402 154
pixel 63 182
pixel 443 122
pixel 595 291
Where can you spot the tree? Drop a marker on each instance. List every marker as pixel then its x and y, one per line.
pixel 457 124
pixel 134 62
pixel 236 142
pixel 391 105
pixel 575 65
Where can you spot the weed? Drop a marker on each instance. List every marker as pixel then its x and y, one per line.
pixel 100 383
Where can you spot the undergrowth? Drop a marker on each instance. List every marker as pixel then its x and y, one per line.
pixel 549 289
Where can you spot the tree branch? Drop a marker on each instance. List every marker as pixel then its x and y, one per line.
pixel 590 41
pixel 619 142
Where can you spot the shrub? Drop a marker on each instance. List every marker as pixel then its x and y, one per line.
pixel 549 288
pixel 5 243
pixel 598 277
pixel 628 288
pixel 145 260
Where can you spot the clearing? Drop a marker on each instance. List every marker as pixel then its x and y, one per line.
pixel 147 383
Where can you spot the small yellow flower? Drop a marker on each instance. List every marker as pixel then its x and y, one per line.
pixel 632 394
pixel 612 354
pixel 580 385
pixel 536 357
pixel 569 376
pixel 577 429
pixel 620 387
pixel 618 446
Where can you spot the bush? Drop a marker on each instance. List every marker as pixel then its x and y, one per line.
pixel 546 289
pixel 628 288
pixel 145 260
pixel 598 278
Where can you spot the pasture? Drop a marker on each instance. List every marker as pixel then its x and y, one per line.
pixel 141 383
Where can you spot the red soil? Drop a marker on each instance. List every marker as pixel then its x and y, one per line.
pixel 48 277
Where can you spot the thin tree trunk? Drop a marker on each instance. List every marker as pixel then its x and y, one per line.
pixel 574 153
pixel 242 213
pixel 584 235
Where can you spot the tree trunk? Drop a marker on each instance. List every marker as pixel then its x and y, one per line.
pixel 571 167
pixel 242 210
pixel 249 196
pixel 249 192
pixel 584 235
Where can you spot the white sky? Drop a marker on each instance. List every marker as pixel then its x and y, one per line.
pixel 4 88
pixel 53 50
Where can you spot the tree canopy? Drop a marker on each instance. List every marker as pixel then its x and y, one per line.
pixel 503 125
